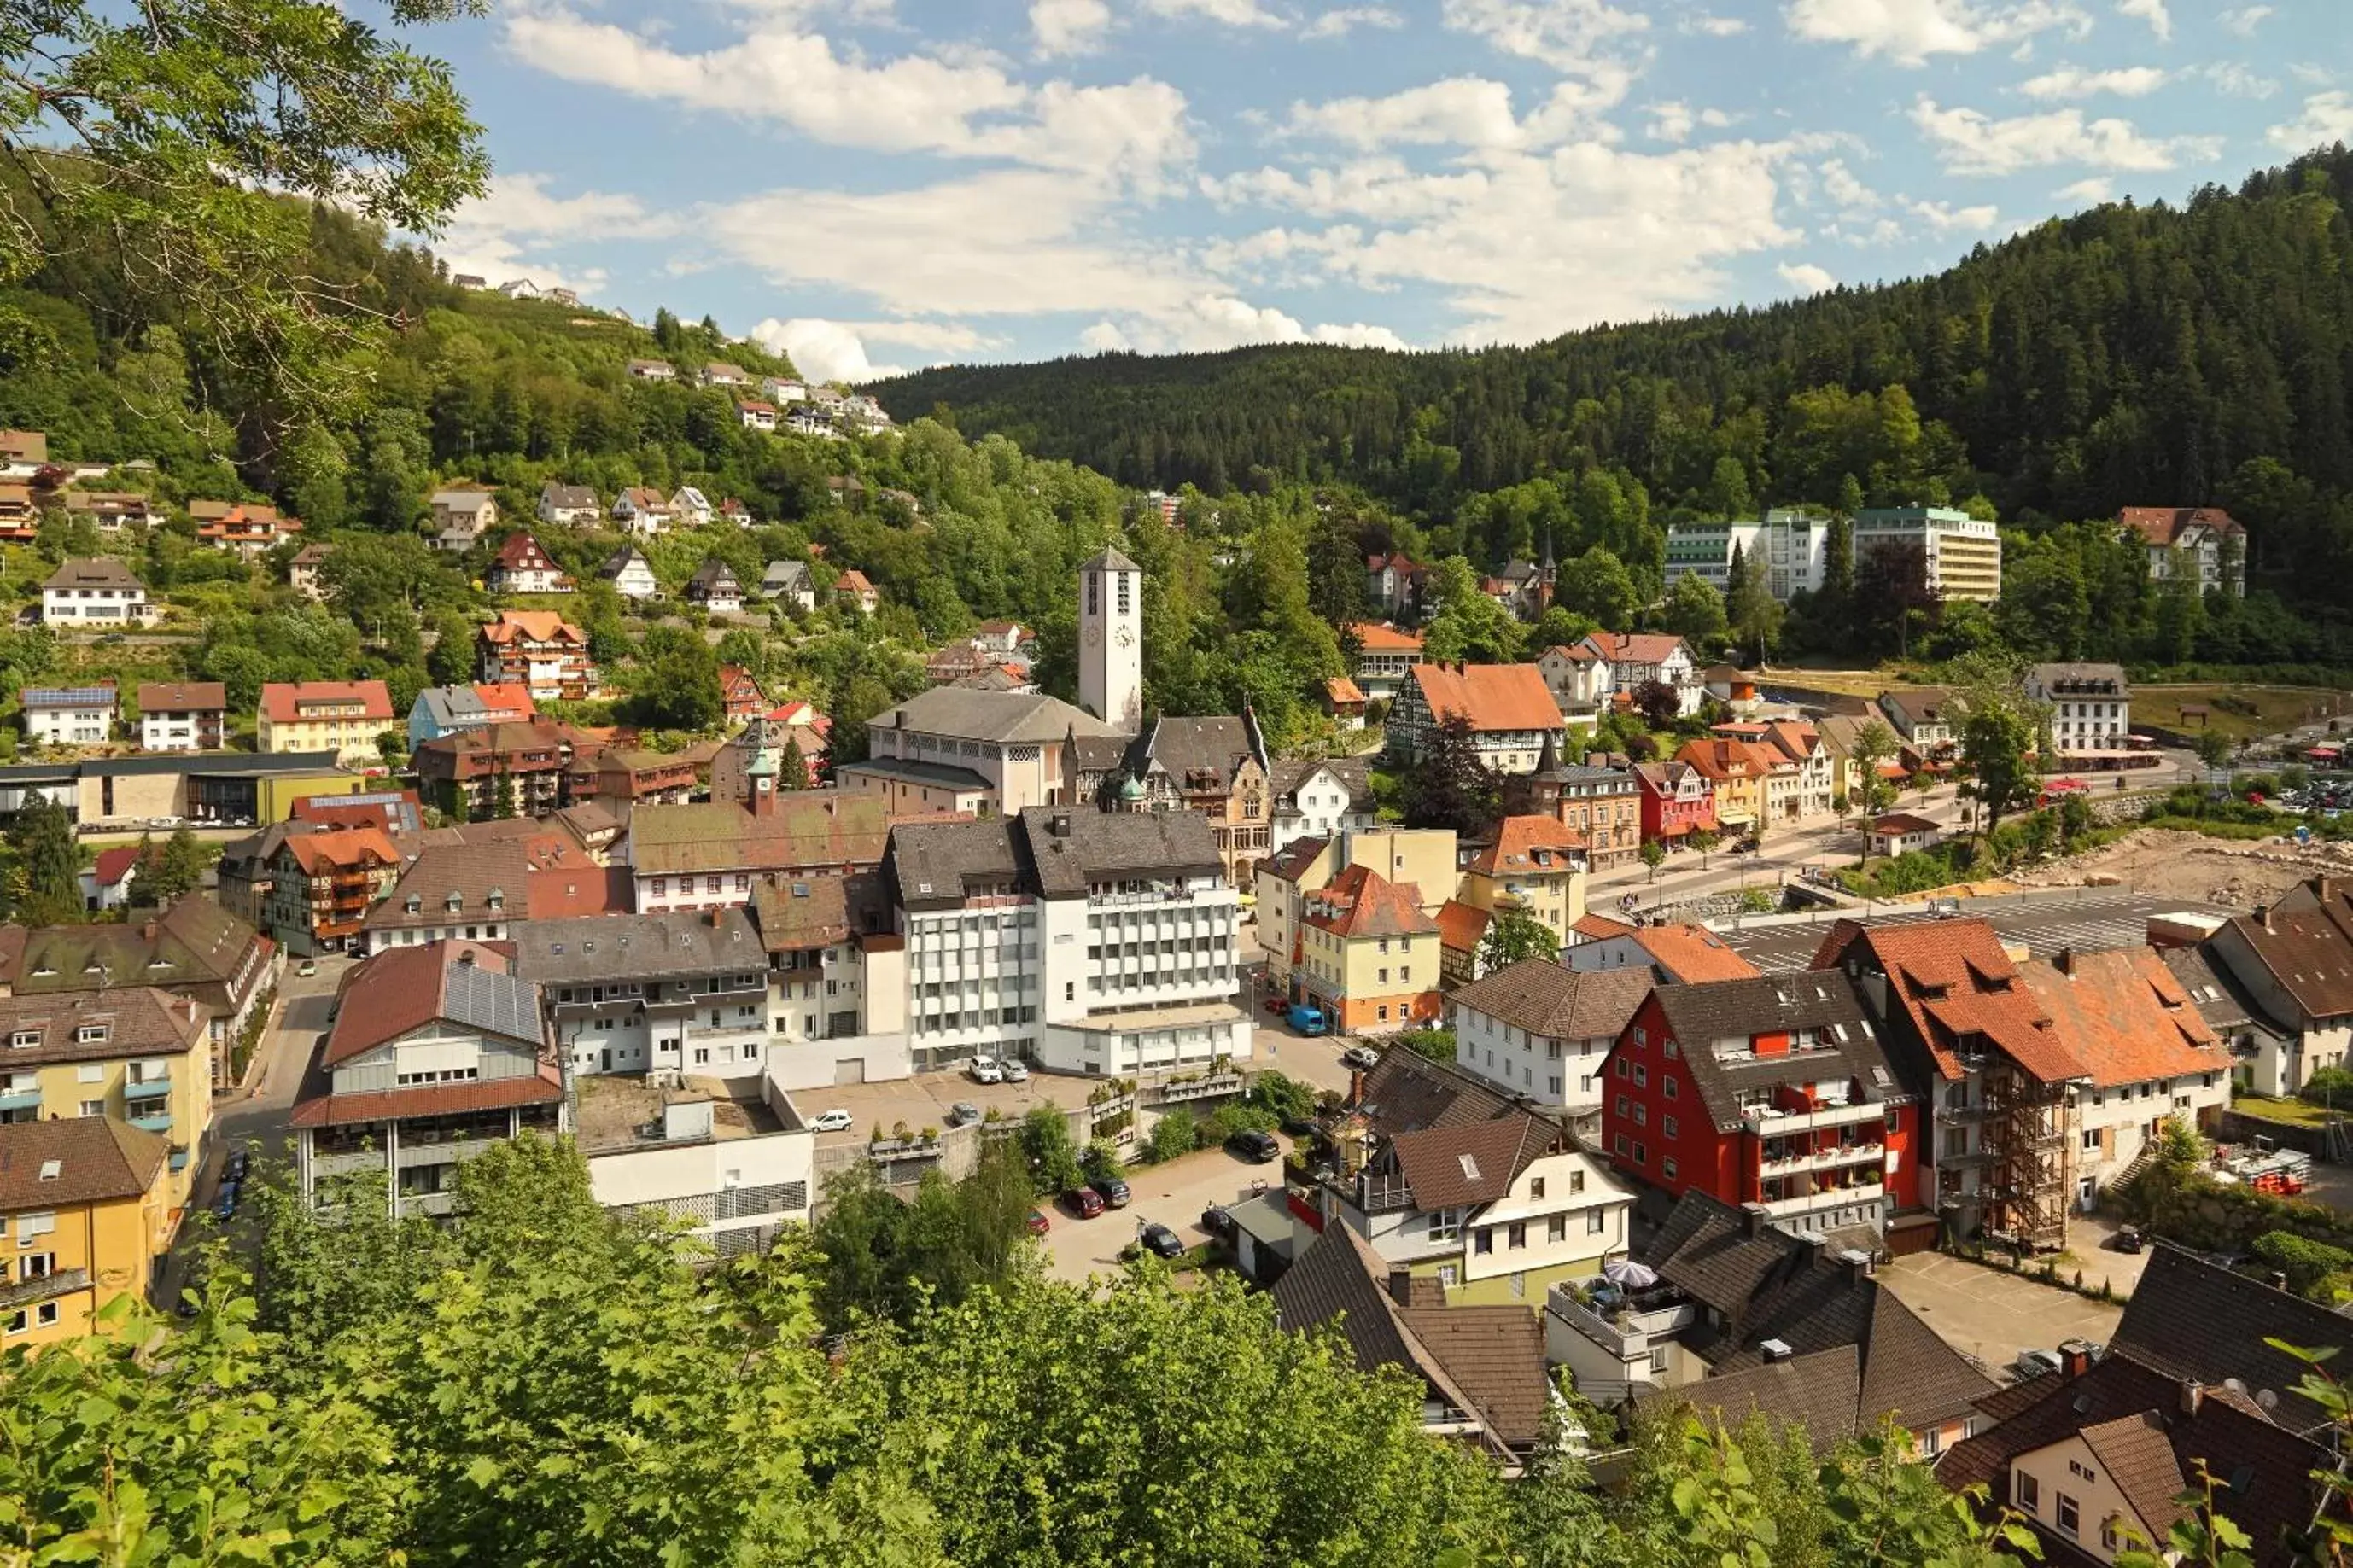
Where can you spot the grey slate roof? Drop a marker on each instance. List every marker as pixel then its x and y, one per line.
pixel 552 494
pixel 784 576
pixel 1109 559
pixel 2169 1323
pixel 1000 716
pixel 1406 1091
pixel 1550 1000
pixel 933 863
pixel 2100 677
pixel 2216 992
pixel 637 947
pixel 1823 1000
pixel 1069 848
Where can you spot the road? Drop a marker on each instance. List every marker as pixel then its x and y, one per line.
pixel 1174 1193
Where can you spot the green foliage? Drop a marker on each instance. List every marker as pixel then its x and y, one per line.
pixel 1053 1156
pixel 1284 1097
pixel 2315 1269
pixel 1175 1133
pixel 886 1257
pixel 1511 937
pixel 45 870
pixel 1437 1045
pixel 1451 786
pixel 1694 612
pixel 2329 1086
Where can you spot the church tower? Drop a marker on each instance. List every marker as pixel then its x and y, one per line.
pixel 1110 640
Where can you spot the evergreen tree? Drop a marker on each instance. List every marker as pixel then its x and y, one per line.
pixel 792 768
pixel 44 882
pixel 177 869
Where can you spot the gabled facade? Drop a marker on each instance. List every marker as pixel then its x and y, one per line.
pixel 540 651
pixel 643 510
pixel 1542 1031
pixel 789 583
pixel 1601 804
pixel 321 885
pixel 244 529
pixel 1510 711
pixel 1534 867
pixel 1369 957
pixel 569 506
pixel 522 567
pixel 2295 962
pixel 1218 767
pixel 1384 653
pixel 1635 660
pixel 1318 800
pixel 1581 679
pixel 69 715
pixel 462 516
pixel 630 573
pixel 132 1054
pixel 86 1204
pixel 182 716
pixel 2201 544
pixel 99 592
pixel 714 587
pixel 345 717
pixel 1678 800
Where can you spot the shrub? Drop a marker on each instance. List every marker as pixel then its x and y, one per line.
pixel 2329 1086
pixel 1437 1045
pixel 2315 1270
pixel 1240 1116
pixel 1175 1133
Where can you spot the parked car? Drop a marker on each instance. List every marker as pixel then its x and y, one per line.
pixel 1112 1190
pixel 1085 1202
pixel 1162 1242
pixel 984 1069
pixel 1301 1126
pixel 1360 1056
pixel 1307 1019
pixel 1276 1001
pixel 963 1113
pixel 225 1203
pixel 1258 1148
pixel 1014 1071
pixel 834 1121
pixel 2127 1239
pixel 1217 1221
pixel 307 968
pixel 2031 1363
pixel 1037 1223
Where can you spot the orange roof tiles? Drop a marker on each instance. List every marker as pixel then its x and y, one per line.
pixel 1531 844
pixel 1693 954
pixel 1600 928
pixel 1461 926
pixel 533 625
pixel 1722 758
pixel 2126 1017
pixel 1489 696
pixel 343 849
pixel 1341 691
pixel 283 701
pixel 1374 637
pixel 2163 524
pixel 1955 980
pixel 1359 903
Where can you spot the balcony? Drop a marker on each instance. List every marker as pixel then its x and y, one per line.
pixel 47 1287
pixel 1824 1198
pixel 140 1090
pixel 1627 1334
pixel 1765 1121
pixel 161 1121
pixel 1204 1088
pixel 1824 1158
pixel 30 1099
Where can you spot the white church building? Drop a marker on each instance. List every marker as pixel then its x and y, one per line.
pixel 1110 640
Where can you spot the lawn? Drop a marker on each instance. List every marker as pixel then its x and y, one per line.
pixel 2277 708
pixel 2296 1112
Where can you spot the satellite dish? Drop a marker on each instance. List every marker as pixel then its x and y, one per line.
pixel 2268 1400
pixel 2234 1384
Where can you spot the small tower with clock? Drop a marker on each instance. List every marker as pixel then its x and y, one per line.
pixel 1110 640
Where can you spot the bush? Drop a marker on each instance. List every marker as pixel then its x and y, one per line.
pixel 1175 1133
pixel 2315 1270
pixel 1238 1117
pixel 2329 1086
pixel 1285 1099
pixel 1437 1045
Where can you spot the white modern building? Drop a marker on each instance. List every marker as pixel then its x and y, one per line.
pixel 69 715
pixel 1088 941
pixel 1793 545
pixel 1962 554
pixel 635 993
pixel 2090 707
pixel 1541 1031
pixel 99 592
pixel 954 749
pixel 736 1170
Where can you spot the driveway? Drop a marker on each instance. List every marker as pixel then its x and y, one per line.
pixel 1174 1193
pixel 1993 1315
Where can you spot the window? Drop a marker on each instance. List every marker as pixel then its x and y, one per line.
pixel 2091 1140
pixel 45 1315
pixel 1445 1225
pixel 1642 1076
pixel 1619 1146
pixel 1447 1274
pixel 2110 1536
pixel 1516 1234
pixel 1482 1240
pixel 93 1108
pixel 1895 1122
pixel 1668 1086
pixel 1641 1113
pixel 2082 1471
pixel 1621 1105
pixel 2070 1521
pixel 1536 1186
pixel 1557 1228
pixel 1642 1155
pixel 1669 1128
pixel 2028 1491
pixel 1576 1181
pixel 1667 1168
pixel 1624 1068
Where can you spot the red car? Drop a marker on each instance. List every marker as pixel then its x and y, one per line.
pixel 1085 1202
pixel 1275 1002
pixel 1038 1225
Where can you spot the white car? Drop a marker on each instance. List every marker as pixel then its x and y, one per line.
pixel 984 1069
pixel 834 1121
pixel 1014 1071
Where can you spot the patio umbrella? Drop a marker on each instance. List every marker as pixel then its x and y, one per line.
pixel 1628 1275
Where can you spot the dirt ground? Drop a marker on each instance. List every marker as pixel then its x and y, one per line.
pixel 2189 866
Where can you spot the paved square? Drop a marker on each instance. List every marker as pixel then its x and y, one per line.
pixel 1993 1315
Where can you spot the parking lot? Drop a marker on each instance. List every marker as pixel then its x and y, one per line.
pixel 1174 1193
pixel 1993 1315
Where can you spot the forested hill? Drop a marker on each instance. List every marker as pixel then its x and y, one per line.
pixel 2128 356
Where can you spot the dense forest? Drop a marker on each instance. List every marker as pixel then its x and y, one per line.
pixel 2129 355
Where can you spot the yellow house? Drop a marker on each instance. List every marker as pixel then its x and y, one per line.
pixel 1369 956
pixel 1284 882
pixel 136 1054
pixel 1534 867
pixel 1423 857
pixel 344 717
pixel 83 1217
pixel 1740 773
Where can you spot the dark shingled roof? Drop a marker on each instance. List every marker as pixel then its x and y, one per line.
pixel 1292 861
pixel 1406 1091
pixel 2263 1471
pixel 2169 1323
pixel 1069 848
pixel 1816 1392
pixel 76 1160
pixel 1487 1361
pixel 2307 951
pixel 1824 1001
pixel 1552 1001
pixel 139 1020
pixel 1449 1167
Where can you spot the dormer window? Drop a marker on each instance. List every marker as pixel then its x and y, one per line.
pixel 452 903
pixel 90 1035
pixel 24 1039
pixel 415 905
pixel 498 899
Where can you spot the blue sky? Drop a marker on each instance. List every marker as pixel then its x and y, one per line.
pixel 875 184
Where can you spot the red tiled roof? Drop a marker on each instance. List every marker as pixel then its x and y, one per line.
pixel 1693 954
pixel 1530 844
pixel 536 626
pixel 1374 637
pixel 2126 1017
pixel 542 1087
pixel 1637 647
pixel 397 990
pixel 1341 691
pixel 1359 903
pixel 1461 926
pixel 2163 524
pixel 281 701
pixel 342 848
pixel 512 696
pixel 1724 757
pixel 1599 928
pixel 112 863
pixel 1902 822
pixel 1490 696
pixel 853 582
pixel 1955 980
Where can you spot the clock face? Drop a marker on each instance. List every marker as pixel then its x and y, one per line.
pixel 1094 633
pixel 1124 637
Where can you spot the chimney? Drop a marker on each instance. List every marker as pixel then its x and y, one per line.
pixel 1775 1350
pixel 147 932
pixel 1060 825
pixel 1355 1086
pixel 2075 1358
pixel 1401 1286
pixel 2065 961
pixel 1755 1218
pixel 1856 1264
pixel 2193 1394
pixel 2279 1280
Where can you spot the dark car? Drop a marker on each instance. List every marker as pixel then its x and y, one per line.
pixel 1039 1225
pixel 2128 1240
pixel 1301 1126
pixel 1112 1190
pixel 1085 1202
pixel 1162 1242
pixel 1276 1001
pixel 224 1204
pixel 1258 1148
pixel 1217 1221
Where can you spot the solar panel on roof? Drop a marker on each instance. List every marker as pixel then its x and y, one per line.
pixel 67 696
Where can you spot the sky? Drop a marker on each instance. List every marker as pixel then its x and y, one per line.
pixel 876 185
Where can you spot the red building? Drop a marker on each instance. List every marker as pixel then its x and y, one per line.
pixel 1677 800
pixel 740 692
pixel 1772 1091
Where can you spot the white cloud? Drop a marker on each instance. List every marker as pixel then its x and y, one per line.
pixel 2072 81
pixel 1840 184
pixel 1469 111
pixel 1231 13
pixel 2153 12
pixel 2237 80
pixel 1709 26
pixel 1806 278
pixel 2091 192
pixel 503 234
pixel 1671 121
pixel 1531 243
pixel 1945 219
pixel 1209 322
pixel 1972 142
pixel 822 349
pixel 1069 26
pixel 2245 19
pixel 2328 117
pixel 1908 31
pixel 1567 34
pixel 1341 20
